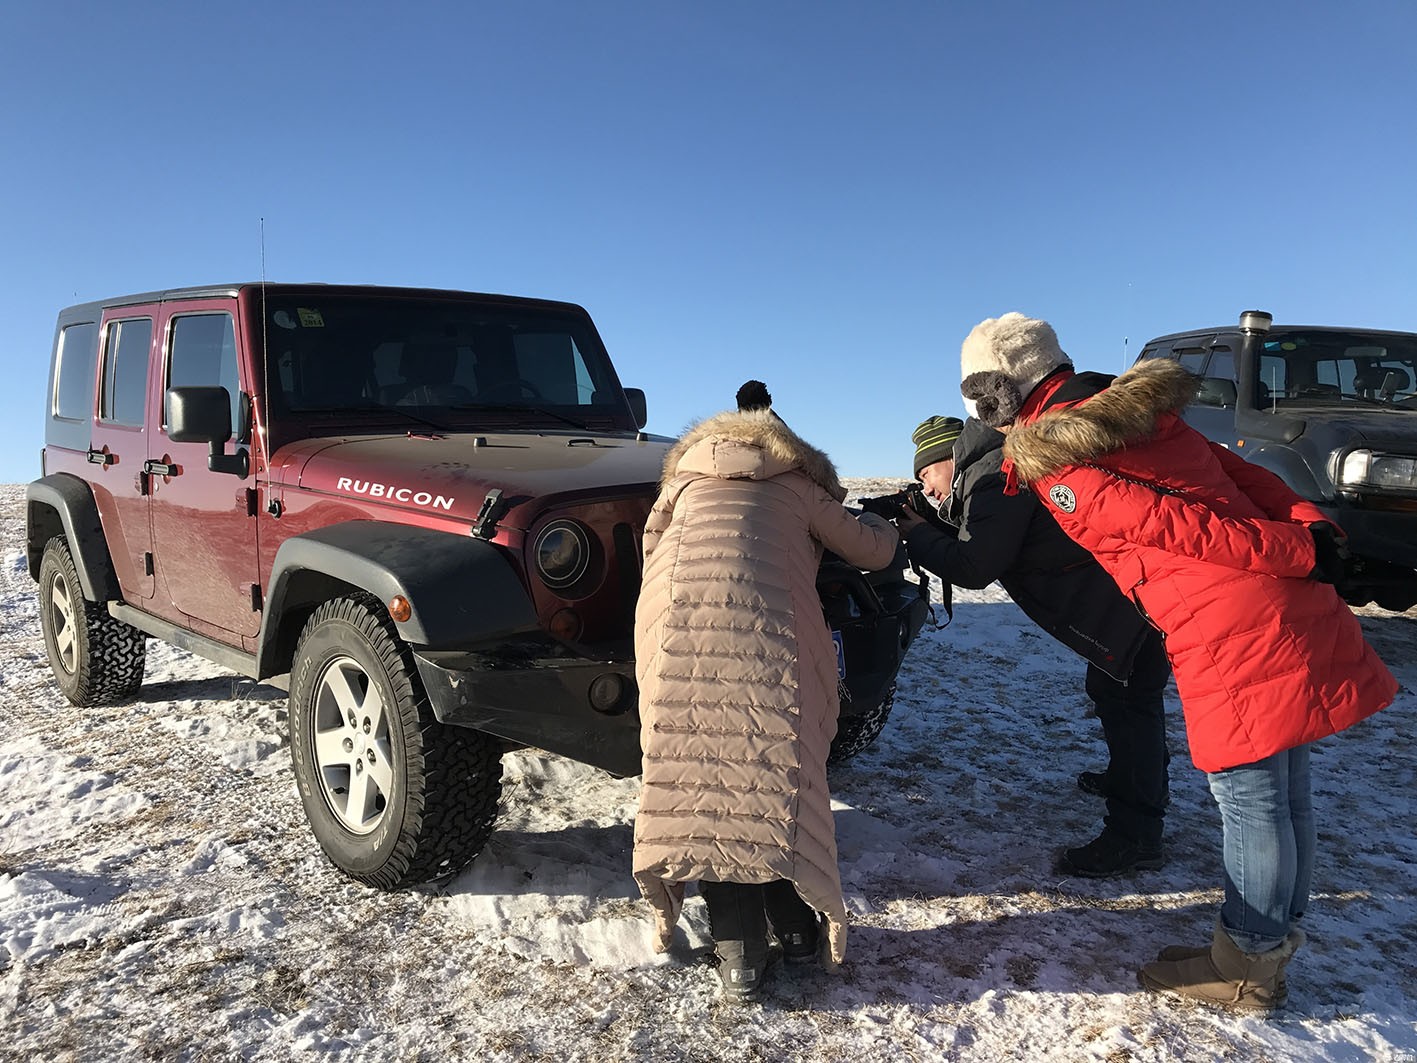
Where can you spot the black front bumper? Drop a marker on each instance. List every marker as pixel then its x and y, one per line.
pixel 538 692
pixel 536 695
pixel 1383 534
pixel 1383 543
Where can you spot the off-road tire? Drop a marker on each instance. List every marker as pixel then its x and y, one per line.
pixel 435 806
pixel 856 733
pixel 96 659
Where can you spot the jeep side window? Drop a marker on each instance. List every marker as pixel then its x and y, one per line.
pixel 73 385
pixel 1222 365
pixel 1217 387
pixel 124 392
pixel 203 353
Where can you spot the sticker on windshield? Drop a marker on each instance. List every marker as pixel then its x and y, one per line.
pixel 310 318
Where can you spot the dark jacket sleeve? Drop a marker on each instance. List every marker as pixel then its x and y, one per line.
pixel 993 526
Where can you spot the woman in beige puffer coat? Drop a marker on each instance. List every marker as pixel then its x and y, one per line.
pixel 737 669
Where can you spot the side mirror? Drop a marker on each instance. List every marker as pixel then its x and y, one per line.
pixel 203 415
pixel 1216 392
pixel 198 415
pixel 637 406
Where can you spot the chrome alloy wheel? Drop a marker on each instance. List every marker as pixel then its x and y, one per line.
pixel 61 621
pixel 351 745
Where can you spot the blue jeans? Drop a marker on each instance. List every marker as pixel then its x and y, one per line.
pixel 1268 819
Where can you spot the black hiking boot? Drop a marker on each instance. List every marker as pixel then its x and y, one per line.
pixel 1108 855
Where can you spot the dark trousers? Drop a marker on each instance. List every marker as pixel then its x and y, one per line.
pixel 1134 726
pixel 740 912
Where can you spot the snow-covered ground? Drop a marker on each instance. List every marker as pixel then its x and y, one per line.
pixel 161 896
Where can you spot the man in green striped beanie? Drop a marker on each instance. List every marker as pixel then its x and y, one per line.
pixel 934 454
pixel 1062 588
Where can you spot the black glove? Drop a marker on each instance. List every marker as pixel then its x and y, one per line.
pixel 1329 554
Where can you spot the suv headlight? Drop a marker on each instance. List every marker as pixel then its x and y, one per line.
pixel 562 553
pixel 1391 472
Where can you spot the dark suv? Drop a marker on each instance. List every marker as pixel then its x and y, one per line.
pixel 1333 412
pixel 419 511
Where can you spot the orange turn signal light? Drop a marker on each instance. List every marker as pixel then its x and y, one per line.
pixel 400 609
pixel 566 624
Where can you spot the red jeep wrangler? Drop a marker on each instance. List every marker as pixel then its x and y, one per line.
pixel 417 510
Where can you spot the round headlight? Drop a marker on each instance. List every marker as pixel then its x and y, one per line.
pixel 562 553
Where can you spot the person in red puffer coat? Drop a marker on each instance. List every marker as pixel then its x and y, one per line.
pixel 1236 572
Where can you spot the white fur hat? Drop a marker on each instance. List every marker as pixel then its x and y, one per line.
pixel 1002 360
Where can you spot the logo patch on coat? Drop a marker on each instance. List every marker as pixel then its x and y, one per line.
pixel 1062 497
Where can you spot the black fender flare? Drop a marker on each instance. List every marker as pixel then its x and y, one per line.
pixel 72 502
pixel 1290 467
pixel 462 590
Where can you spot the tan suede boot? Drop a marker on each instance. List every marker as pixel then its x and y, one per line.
pixel 1187 952
pixel 1224 975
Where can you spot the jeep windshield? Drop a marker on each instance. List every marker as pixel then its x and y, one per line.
pixel 1327 367
pixel 448 364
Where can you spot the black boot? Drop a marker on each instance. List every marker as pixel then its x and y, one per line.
pixel 742 976
pixel 738 922
pixel 793 921
pixel 1110 854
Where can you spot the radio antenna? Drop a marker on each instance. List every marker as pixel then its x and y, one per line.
pixel 258 415
pixel 262 224
pixel 264 325
pixel 1125 339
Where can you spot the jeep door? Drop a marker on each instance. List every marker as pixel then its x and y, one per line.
pixel 120 483
pixel 203 522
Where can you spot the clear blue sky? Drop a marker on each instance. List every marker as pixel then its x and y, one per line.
pixel 826 196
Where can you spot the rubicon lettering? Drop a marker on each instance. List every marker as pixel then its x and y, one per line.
pixel 395 494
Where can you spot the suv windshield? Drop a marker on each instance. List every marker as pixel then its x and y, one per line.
pixel 1352 368
pixel 436 362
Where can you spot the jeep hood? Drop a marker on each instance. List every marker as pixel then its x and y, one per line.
pixel 530 469
pixel 1391 427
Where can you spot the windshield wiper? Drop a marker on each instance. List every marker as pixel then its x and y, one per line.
pixel 1383 403
pixel 494 407
pixel 396 411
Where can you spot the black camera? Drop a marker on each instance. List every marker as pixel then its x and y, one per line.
pixel 891 506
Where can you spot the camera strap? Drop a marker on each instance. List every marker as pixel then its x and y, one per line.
pixel 946 599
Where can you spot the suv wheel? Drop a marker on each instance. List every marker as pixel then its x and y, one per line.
pixel 393 797
pixel 95 658
pixel 856 733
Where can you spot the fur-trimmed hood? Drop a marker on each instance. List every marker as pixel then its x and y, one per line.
pixel 1115 417
pixel 749 444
